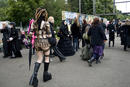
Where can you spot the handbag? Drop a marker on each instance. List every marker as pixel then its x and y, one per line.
pixel 52 41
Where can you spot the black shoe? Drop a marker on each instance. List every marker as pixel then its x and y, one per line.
pixel 47 76
pixel 33 81
pixel 19 56
pixel 125 50
pixel 12 57
pixel 5 56
pixel 98 61
pixel 62 60
pixel 90 63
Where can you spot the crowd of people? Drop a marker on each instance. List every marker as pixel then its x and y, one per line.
pixel 42 37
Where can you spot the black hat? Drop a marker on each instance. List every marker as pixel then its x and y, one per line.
pixel 13 23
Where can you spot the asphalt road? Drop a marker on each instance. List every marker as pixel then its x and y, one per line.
pixel 114 70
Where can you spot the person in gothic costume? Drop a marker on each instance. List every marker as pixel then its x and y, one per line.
pixel 111 30
pixel 65 43
pixel 13 39
pixel 42 30
pixel 6 44
pixel 125 35
pixel 54 46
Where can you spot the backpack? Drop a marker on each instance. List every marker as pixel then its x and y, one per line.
pixel 86 52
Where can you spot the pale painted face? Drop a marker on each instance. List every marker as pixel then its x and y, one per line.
pixel 52 21
pixel 11 26
pixel 65 23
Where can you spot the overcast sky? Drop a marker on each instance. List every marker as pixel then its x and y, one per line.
pixel 124 7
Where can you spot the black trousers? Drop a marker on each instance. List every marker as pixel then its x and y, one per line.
pixel 15 50
pixel 6 48
pixel 110 42
pixel 125 47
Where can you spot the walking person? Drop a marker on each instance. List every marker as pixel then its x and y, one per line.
pixel 97 40
pixel 125 35
pixel 75 30
pixel 111 30
pixel 65 44
pixel 42 30
pixel 54 47
pixel 104 29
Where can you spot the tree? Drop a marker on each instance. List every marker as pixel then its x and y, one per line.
pixel 21 10
pixel 3 7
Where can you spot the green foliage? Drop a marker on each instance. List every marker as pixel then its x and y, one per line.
pixel 3 8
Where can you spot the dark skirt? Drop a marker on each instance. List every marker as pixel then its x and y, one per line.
pixel 98 50
pixel 111 37
pixel 65 46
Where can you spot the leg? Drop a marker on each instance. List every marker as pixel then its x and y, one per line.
pixel 101 57
pixel 33 50
pixel 125 47
pixel 74 44
pixel 46 76
pixel 113 43
pixel 109 43
pixel 90 61
pixel 5 49
pixel 13 51
pixel 77 44
pixel 98 59
pixel 83 43
pixel 34 80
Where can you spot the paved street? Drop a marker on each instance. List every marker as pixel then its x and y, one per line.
pixel 114 71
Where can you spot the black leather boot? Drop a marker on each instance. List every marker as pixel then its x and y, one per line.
pixel 91 61
pixel 33 79
pixel 46 75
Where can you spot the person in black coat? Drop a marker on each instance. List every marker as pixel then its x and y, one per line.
pixel 111 30
pixel 54 47
pixel 125 35
pixel 75 30
pixel 103 25
pixel 5 40
pixel 65 44
pixel 15 46
pixel 97 40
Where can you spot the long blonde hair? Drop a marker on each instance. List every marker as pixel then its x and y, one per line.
pixel 77 22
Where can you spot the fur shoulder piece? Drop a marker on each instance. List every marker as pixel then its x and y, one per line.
pixel 45 25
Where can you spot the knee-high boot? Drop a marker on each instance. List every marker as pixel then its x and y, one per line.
pixel 46 75
pixel 34 80
pixel 90 61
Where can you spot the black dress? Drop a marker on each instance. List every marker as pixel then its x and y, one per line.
pixel 125 35
pixel 65 43
pixel 111 29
